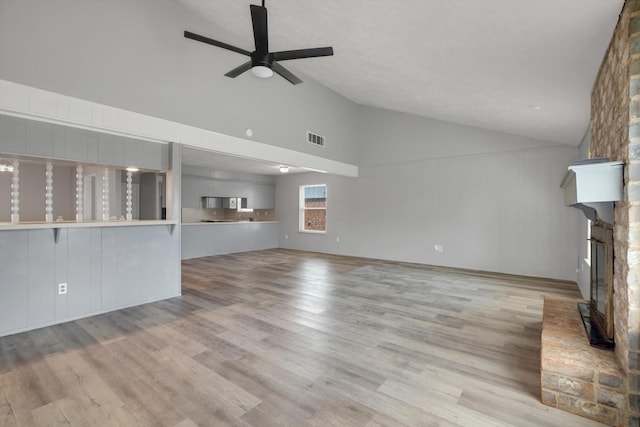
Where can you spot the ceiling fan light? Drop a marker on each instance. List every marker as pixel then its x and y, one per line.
pixel 261 71
pixel 284 169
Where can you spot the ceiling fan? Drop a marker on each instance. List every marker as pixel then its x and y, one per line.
pixel 263 63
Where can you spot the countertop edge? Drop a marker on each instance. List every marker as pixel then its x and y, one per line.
pixel 7 226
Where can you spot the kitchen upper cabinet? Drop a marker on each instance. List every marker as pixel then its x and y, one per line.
pixel 59 149
pixel 109 149
pixel 55 141
pixel 262 196
pixel 92 147
pixel 13 135
pixel 75 144
pixel 39 138
pixel 234 188
pixel 151 154
pixel 259 196
pixel 192 191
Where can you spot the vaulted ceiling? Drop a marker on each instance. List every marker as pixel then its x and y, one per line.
pixel 519 66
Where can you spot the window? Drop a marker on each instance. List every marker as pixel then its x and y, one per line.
pixel 313 208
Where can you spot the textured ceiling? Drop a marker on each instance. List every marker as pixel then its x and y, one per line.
pixel 519 66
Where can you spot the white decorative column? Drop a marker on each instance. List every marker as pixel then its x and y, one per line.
pixel 48 192
pixel 105 194
pixel 15 192
pixel 129 194
pixel 79 194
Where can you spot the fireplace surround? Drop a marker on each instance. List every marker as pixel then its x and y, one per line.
pixel 597 315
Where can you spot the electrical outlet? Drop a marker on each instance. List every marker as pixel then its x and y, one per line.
pixel 62 288
pixel 286 237
pixel 337 239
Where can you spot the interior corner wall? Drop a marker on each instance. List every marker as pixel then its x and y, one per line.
pixel 133 55
pixel 424 182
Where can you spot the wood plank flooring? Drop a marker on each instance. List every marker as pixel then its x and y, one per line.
pixel 285 338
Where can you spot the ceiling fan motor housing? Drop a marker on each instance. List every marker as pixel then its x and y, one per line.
pixel 261 59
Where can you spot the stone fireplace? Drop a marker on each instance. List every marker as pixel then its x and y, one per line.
pixel 575 376
pixel 615 134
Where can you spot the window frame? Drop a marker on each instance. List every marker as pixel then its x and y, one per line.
pixel 302 209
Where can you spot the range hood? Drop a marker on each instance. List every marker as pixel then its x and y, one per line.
pixel 592 186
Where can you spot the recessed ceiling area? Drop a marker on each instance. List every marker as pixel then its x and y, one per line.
pixel 520 66
pixel 224 162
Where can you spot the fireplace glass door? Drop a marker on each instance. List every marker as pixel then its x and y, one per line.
pixel 602 280
pixel 598 285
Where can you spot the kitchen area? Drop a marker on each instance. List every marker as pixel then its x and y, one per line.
pixel 100 204
pixel 228 204
pixel 90 224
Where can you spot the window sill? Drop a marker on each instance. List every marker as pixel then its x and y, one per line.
pixel 312 232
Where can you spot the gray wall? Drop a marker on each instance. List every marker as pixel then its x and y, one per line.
pixel 423 183
pixel 387 137
pixel 105 269
pixel 132 55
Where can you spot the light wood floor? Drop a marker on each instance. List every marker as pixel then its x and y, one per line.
pixel 284 338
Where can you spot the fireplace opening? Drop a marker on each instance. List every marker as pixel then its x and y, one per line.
pixel 597 316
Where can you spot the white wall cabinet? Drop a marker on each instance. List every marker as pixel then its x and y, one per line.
pixel 193 190
pixel 262 196
pixel 259 196
pixel 40 139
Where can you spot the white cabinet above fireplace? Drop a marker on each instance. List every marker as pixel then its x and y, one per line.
pixel 592 186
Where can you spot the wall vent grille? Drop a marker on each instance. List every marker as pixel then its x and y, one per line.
pixel 315 139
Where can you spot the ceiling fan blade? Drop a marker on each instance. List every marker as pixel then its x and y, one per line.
pixel 203 39
pixel 239 70
pixel 302 53
pixel 286 74
pixel 260 35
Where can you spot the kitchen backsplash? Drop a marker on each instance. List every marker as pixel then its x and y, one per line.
pixel 197 215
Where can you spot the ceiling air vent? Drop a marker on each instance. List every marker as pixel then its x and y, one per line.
pixel 315 139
